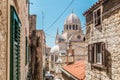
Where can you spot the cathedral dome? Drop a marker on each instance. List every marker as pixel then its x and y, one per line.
pixel 55 49
pixel 72 22
pixel 72 19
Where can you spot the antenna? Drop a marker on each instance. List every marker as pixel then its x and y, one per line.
pixel 42 20
pixel 57 31
pixel 72 10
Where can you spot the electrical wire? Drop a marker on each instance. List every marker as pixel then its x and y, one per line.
pixel 60 15
pixel 49 35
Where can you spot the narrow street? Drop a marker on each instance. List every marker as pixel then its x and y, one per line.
pixel 59 39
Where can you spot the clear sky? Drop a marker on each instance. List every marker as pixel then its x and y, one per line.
pixel 52 9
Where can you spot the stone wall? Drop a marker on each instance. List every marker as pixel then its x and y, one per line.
pixel 40 53
pixel 22 12
pixel 37 51
pixel 110 35
pixel 32 20
pixel 3 39
pixel 24 18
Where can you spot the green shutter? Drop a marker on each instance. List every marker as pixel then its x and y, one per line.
pixel 14 46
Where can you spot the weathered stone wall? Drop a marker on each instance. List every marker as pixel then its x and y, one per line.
pixel 32 20
pixel 40 52
pixel 22 12
pixel 110 34
pixel 37 46
pixel 23 15
pixel 47 54
pixel 3 39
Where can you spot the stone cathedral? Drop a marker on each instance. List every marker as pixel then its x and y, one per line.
pixel 73 34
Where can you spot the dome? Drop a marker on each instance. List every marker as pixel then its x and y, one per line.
pixel 55 49
pixel 63 37
pixel 59 60
pixel 72 19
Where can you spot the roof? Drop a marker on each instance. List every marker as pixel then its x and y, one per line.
pixel 74 37
pixel 55 49
pixel 94 6
pixel 72 19
pixel 77 69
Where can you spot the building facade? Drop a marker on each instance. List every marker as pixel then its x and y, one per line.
pixel 73 35
pixel 102 36
pixel 13 39
pixel 47 54
pixel 37 50
pixel 75 71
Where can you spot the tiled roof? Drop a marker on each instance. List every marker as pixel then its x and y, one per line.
pixel 77 69
pixel 94 5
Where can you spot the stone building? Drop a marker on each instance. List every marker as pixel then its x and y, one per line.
pixel 47 54
pixel 53 59
pixel 32 23
pixel 72 34
pixel 14 27
pixel 102 36
pixel 32 27
pixel 40 56
pixel 37 50
pixel 75 71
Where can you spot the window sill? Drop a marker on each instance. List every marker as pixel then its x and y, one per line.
pixel 99 66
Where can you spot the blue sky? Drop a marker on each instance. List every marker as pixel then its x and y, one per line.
pixel 52 9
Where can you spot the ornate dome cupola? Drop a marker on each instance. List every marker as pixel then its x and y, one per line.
pixel 72 23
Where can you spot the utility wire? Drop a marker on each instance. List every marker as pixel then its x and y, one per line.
pixel 42 20
pixel 49 35
pixel 60 15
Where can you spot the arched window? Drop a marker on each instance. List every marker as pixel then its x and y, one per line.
pixel 73 27
pixel 70 27
pixel 56 58
pixel 76 27
pixel 67 27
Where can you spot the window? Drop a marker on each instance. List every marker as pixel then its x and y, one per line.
pixel 73 27
pixel 67 27
pixel 14 45
pixel 97 54
pixel 76 27
pixel 56 58
pixel 63 54
pixel 78 36
pixel 70 27
pixel 52 58
pixel 97 16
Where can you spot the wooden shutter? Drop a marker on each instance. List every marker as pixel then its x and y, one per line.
pixel 14 46
pixel 104 57
pixel 89 53
pixel 92 54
